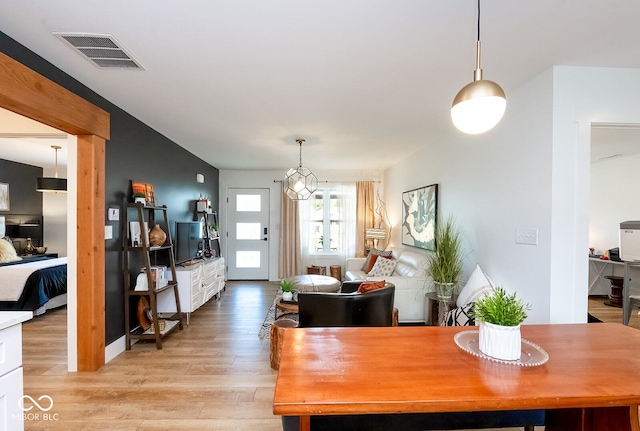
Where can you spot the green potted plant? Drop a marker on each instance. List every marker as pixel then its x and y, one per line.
pixel 499 315
pixel 139 197
pixel 444 265
pixel 213 230
pixel 287 286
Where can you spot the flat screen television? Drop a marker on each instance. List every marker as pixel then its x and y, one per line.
pixel 188 240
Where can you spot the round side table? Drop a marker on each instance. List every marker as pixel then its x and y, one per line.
pixel 285 307
pixel 438 308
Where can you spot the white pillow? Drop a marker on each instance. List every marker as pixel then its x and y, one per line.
pixel 7 252
pixel 477 285
pixel 383 267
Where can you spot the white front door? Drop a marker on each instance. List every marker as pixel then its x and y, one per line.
pixel 248 234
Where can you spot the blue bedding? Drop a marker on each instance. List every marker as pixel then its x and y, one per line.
pixel 42 285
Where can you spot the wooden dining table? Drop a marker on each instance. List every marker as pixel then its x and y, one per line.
pixel 591 380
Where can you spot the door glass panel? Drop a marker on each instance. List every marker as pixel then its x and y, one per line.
pixel 248 259
pixel 248 231
pixel 248 203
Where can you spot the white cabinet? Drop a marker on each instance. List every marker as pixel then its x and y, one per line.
pixel 11 381
pixel 197 284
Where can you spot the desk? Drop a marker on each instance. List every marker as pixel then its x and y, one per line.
pixel 419 369
pixel 626 290
pixel 597 270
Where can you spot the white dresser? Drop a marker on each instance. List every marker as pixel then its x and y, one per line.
pixel 197 284
pixel 11 387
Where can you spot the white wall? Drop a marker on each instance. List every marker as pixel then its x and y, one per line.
pixel 54 212
pixel 531 171
pixel 54 208
pixel 615 186
pixel 265 179
pixel 493 183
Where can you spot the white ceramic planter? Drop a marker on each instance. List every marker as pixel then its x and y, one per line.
pixel 501 342
pixel 287 296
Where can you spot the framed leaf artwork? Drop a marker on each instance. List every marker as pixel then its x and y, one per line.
pixel 419 215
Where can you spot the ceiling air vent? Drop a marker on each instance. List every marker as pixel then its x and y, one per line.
pixel 103 50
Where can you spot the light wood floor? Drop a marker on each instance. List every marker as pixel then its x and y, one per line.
pixel 214 375
pixel 611 314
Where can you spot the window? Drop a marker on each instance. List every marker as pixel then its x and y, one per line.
pixel 325 220
pixel 328 221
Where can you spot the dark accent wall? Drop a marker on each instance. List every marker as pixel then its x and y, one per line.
pixel 25 203
pixel 24 199
pixel 134 152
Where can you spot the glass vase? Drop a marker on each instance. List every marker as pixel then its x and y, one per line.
pixel 444 291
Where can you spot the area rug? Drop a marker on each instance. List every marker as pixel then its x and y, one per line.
pixel 265 331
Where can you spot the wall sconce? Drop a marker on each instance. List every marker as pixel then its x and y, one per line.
pixel 200 178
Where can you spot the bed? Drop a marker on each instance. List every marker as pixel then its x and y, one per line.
pixel 35 283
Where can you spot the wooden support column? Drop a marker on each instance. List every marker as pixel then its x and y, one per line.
pixel 90 249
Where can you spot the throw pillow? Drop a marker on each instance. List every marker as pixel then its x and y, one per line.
pixel 7 252
pixel 460 316
pixel 371 260
pixel 374 252
pixel 368 286
pixel 478 285
pixel 374 258
pixel 383 268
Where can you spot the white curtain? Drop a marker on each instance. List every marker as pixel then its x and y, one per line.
pixel 346 243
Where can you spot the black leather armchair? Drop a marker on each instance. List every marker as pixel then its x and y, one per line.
pixel 321 309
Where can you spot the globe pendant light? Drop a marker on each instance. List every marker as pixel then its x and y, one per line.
pixel 52 184
pixel 300 182
pixel 479 106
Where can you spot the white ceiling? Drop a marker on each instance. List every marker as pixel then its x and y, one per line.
pixel 365 82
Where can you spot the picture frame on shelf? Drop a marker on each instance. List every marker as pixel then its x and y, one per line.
pixel 419 215
pixel 135 233
pixel 4 197
pixel 146 189
pixel 150 195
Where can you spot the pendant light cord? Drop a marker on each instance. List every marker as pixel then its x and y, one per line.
pixel 478 20
pixel 477 74
pixel 300 141
pixel 56 173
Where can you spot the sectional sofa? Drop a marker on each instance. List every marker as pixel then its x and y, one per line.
pixel 408 277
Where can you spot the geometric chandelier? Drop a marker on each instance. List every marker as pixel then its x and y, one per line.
pixel 300 182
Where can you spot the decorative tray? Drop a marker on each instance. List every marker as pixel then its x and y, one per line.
pixel 532 354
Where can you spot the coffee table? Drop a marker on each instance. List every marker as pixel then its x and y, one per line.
pixel 315 283
pixel 420 369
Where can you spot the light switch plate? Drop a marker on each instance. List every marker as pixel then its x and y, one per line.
pixel 527 236
pixel 114 214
